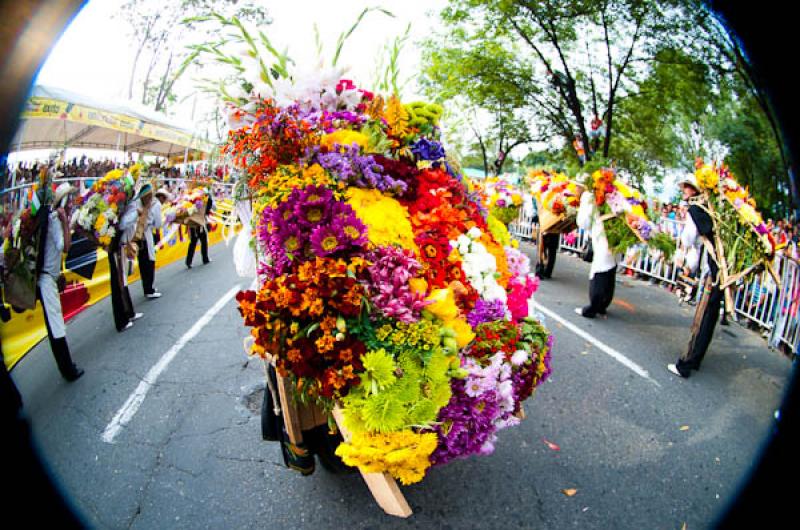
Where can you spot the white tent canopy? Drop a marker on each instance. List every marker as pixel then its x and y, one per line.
pixel 54 118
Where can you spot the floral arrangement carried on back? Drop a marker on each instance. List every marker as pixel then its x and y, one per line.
pixel 21 232
pixel 745 243
pixel 503 199
pixel 187 208
pixel 98 210
pixel 558 199
pixel 624 213
pixel 384 287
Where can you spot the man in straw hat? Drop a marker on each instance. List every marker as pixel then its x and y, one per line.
pixel 150 211
pixel 120 250
pixel 699 225
pixel 199 233
pixel 56 241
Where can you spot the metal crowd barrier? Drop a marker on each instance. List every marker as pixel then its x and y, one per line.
pixel 757 299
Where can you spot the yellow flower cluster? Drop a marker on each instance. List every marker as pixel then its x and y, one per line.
pixel 498 230
pixel 443 306
pixel 344 137
pixel 289 177
pixel 386 219
pixel 403 454
pixel 707 177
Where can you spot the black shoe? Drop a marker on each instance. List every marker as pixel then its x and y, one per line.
pixel 188 265
pixel 207 261
pixel 73 375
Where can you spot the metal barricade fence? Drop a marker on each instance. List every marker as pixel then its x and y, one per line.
pixel 522 227
pixel 757 299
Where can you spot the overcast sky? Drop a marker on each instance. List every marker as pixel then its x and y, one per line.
pixel 95 54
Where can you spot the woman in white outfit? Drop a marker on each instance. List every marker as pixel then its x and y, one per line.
pixel 56 241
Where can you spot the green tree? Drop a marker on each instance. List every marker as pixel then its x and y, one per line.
pixel 564 60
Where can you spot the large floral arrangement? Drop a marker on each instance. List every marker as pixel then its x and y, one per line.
pixel 187 206
pixel 557 196
pixel 624 213
pixel 744 237
pixel 383 289
pixel 555 192
pixel 21 234
pixel 503 199
pixel 99 209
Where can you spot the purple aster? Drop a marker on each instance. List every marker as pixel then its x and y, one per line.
pixel 465 424
pixel 347 164
pixel 486 312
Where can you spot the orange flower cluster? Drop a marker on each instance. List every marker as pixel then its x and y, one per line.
pixel 298 318
pixel 603 183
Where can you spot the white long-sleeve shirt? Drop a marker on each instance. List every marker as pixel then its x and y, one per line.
pixel 53 246
pixel 690 240
pixel 127 223
pixel 153 221
pixel 588 218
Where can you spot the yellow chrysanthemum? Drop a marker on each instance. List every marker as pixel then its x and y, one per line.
pixel 344 137
pixel 387 220
pixel 403 454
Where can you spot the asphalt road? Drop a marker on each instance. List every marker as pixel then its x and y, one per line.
pixel 642 451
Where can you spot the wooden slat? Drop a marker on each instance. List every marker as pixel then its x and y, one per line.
pixel 383 486
pixel 291 414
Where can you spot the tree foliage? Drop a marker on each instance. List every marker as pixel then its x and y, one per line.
pixel 161 34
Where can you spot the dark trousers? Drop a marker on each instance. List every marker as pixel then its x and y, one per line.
pixel 59 347
pixel 195 234
pixel 706 316
pixel 601 292
pixel 548 253
pixel 147 269
pixel 121 303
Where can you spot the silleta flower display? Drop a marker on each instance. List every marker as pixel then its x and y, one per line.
pixel 384 287
pixel 625 214
pixel 99 210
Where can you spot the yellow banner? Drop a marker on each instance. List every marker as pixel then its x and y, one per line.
pixel 26 329
pixel 38 107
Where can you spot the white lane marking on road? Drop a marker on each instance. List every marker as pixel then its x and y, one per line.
pixel 614 354
pixel 131 406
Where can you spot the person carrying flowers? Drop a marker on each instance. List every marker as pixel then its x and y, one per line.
pixel 119 252
pixel 603 271
pixel 199 233
pixel 699 226
pixel 151 210
pixel 55 241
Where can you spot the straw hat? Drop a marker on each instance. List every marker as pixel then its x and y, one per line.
pixel 164 192
pixel 689 180
pixel 63 190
